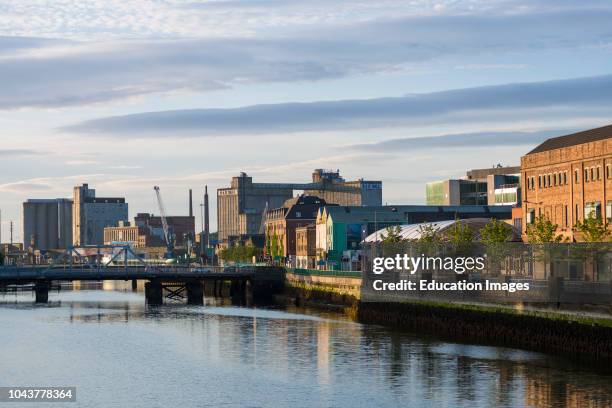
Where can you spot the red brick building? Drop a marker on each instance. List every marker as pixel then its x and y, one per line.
pixel 568 178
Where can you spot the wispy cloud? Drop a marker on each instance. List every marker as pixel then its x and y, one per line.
pixel 8 153
pixel 92 72
pixel 502 104
pixel 462 140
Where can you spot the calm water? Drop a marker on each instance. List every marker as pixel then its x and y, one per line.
pixel 119 353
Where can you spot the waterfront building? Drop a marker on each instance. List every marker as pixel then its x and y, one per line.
pixel 568 179
pixel 91 214
pixel 281 224
pixel 133 235
pixel 305 246
pixel 240 206
pixel 180 227
pixel 493 186
pixel 340 229
pixel 47 223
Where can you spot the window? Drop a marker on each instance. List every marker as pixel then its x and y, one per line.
pixel 565 178
pixel 592 173
pixel 540 181
pixel 592 209
pixel 298 214
pixel 555 179
pixel 598 173
pixel 576 176
pixel 577 215
pixel 566 218
pixel 609 211
pixel 608 172
pixel 586 175
pixel 530 216
pixel 548 179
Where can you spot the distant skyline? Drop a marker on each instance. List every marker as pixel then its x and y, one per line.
pixel 125 95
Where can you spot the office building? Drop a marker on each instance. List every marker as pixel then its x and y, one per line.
pixel 497 185
pixel 568 179
pixel 47 223
pixel 91 214
pixel 240 206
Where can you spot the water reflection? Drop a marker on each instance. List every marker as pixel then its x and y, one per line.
pixel 183 355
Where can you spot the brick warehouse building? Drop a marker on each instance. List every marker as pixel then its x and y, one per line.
pixel 567 178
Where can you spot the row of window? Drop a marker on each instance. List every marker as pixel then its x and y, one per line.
pixel 548 180
pixel 560 178
pixel 590 209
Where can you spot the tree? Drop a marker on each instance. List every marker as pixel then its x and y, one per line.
pixel 460 237
pixel 495 236
pixel 495 232
pixel 394 235
pixel 543 231
pixel 240 253
pixel 593 229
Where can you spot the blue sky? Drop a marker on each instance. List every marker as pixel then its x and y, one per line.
pixel 126 95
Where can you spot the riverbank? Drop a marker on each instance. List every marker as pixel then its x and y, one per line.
pixel 575 335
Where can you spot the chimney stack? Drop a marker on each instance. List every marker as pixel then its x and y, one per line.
pixel 190 204
pixel 206 220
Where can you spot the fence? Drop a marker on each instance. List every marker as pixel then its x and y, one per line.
pixel 575 273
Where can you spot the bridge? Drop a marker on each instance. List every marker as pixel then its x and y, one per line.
pixel 112 262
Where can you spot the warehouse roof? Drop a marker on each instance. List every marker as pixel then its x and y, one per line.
pixel 573 139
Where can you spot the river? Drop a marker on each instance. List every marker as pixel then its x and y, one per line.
pixel 120 353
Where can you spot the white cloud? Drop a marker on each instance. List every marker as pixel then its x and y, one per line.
pixel 563 100
pixel 78 73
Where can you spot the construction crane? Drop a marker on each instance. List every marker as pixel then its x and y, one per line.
pixel 167 237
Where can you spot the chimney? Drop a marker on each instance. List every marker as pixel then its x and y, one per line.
pixel 206 220
pixel 190 204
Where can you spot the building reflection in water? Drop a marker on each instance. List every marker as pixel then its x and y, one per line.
pixel 297 347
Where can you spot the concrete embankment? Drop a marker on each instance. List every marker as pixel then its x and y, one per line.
pixel 576 335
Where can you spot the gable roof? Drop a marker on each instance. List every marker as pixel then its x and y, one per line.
pixel 573 139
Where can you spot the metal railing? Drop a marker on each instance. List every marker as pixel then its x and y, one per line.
pixel 319 272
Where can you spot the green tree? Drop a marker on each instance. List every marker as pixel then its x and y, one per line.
pixel 430 240
pixel 593 229
pixel 542 234
pixel 495 236
pixel 543 231
pixel 393 235
pixel 274 246
pixel 460 237
pixel 495 232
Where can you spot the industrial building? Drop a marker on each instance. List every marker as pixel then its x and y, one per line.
pixel 568 179
pixel 240 206
pixel 91 214
pixel 180 227
pixel 497 185
pixel 133 235
pixel 47 223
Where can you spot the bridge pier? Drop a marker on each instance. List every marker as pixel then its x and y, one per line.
pixel 154 293
pixel 195 293
pixel 134 285
pixel 41 290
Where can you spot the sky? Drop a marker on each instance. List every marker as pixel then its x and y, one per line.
pixel 125 95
